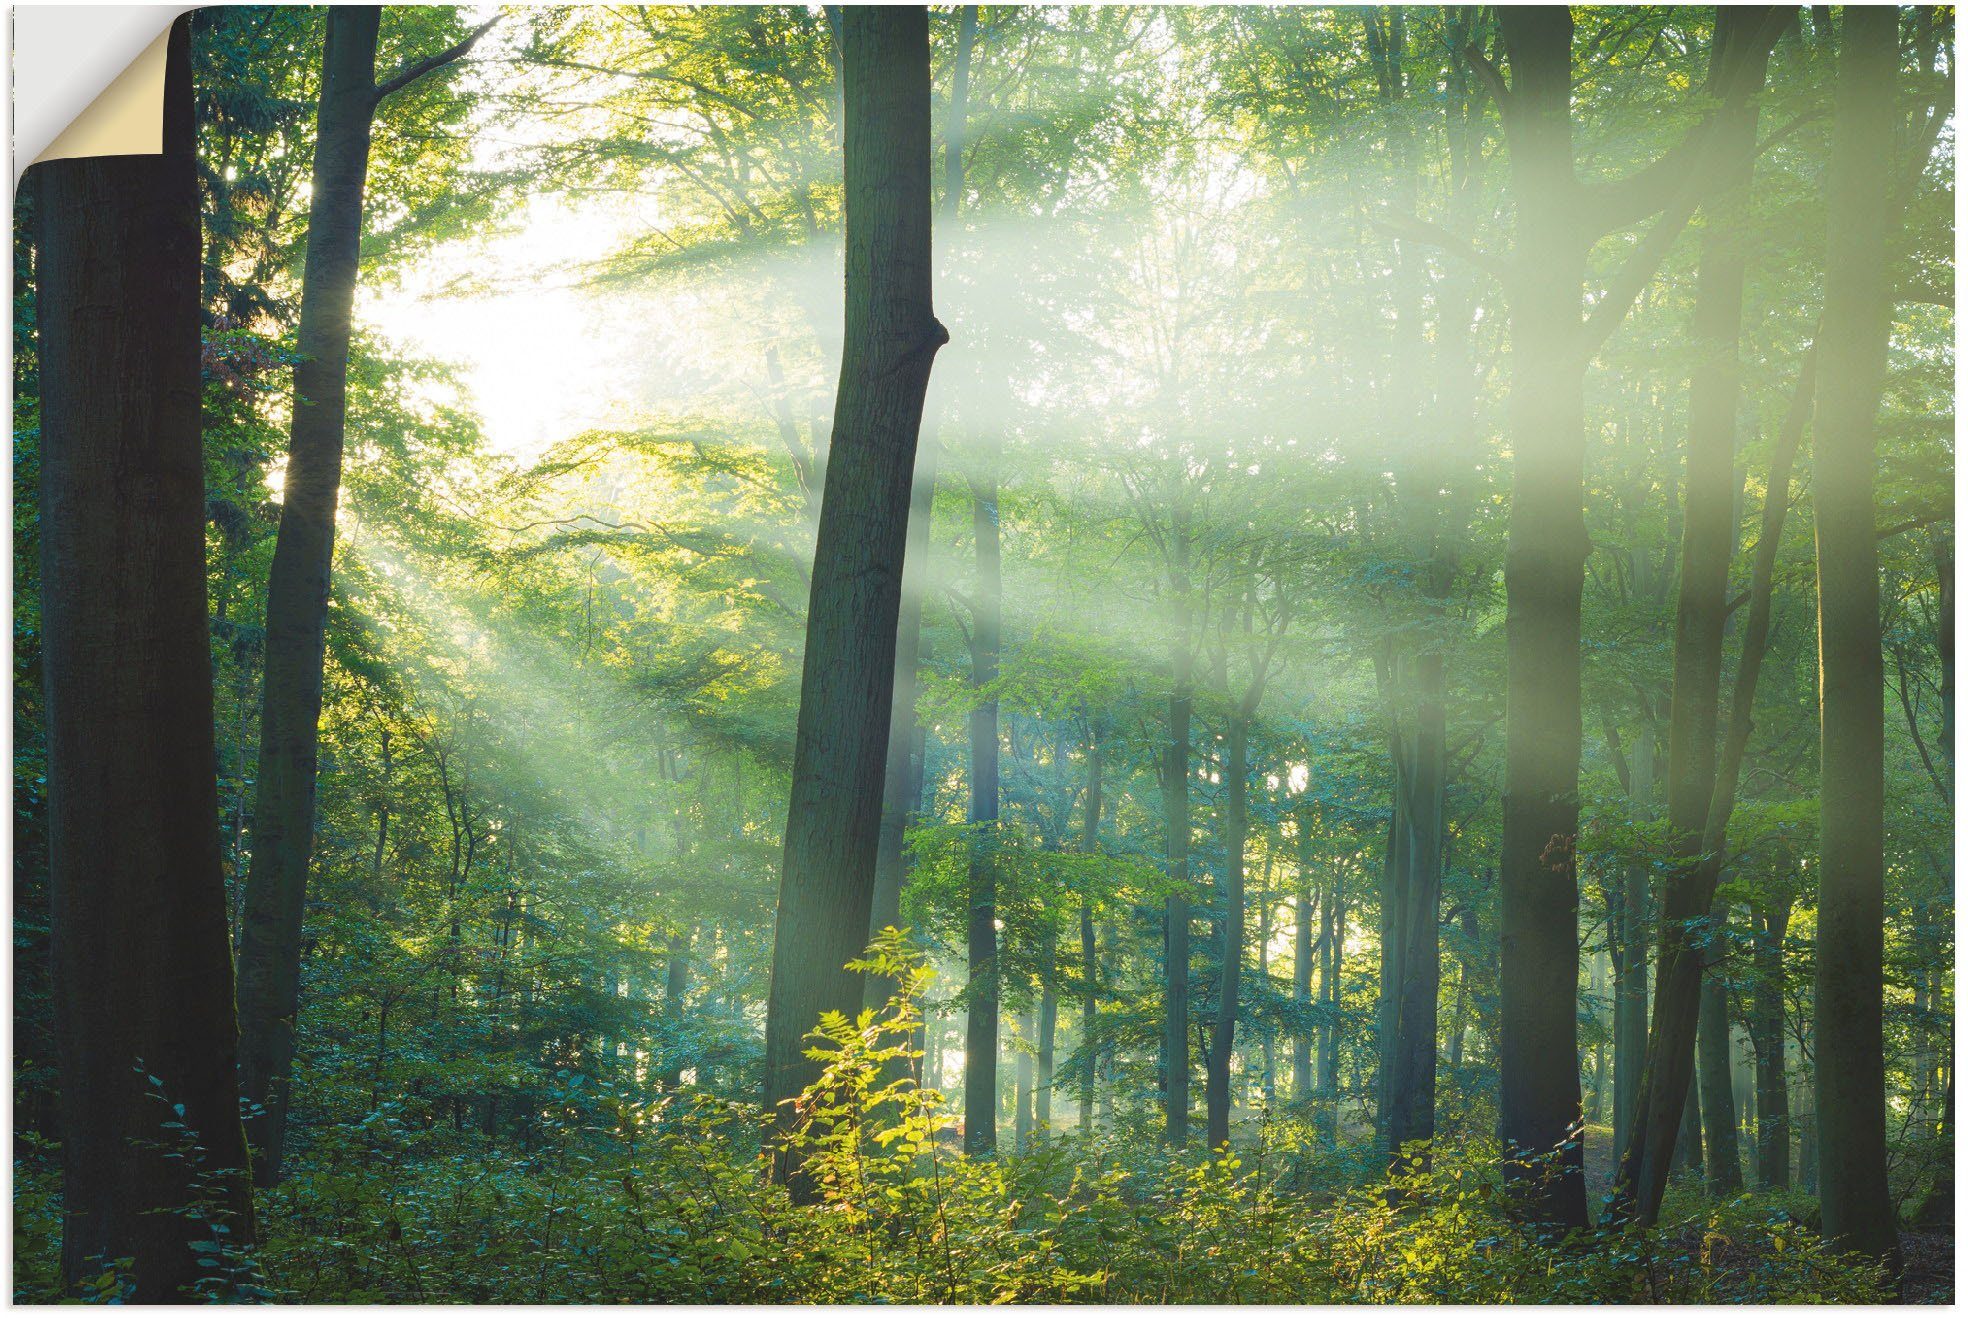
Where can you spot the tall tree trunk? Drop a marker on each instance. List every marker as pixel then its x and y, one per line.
pixel 1021 1105
pixel 981 1037
pixel 1089 956
pixel 847 683
pixel 1302 945
pixel 1688 1144
pixel 1334 910
pixel 1717 1064
pixel 1544 575
pixel 1850 1062
pixel 902 787
pixel 1630 971
pixel 1175 790
pixel 298 579
pixel 1236 829
pixel 297 587
pixel 1767 1034
pixel 1048 1030
pixel 1688 936
pixel 1413 1074
pixel 142 971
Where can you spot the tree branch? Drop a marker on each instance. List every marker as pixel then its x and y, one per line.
pixel 409 73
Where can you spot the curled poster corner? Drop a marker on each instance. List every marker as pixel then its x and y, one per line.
pixel 88 81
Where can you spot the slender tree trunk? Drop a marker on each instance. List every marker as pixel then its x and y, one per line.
pixel 1767 1032
pixel 297 587
pixel 1302 945
pixel 1717 1064
pixel 1048 1031
pixel 1630 972
pixel 1850 1061
pixel 1697 812
pixel 1175 788
pixel 981 1038
pixel 902 787
pixel 1236 829
pixel 847 684
pixel 142 971
pixel 1329 996
pixel 1021 1106
pixel 1413 1075
pixel 1688 1143
pixel 1089 957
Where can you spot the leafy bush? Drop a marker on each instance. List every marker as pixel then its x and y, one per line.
pixel 622 1197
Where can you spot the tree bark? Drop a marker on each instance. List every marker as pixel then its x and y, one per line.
pixel 1850 1065
pixel 1544 573
pixel 1767 1035
pixel 902 788
pixel 1723 1152
pixel 142 971
pixel 1236 829
pixel 1302 945
pixel 1687 934
pixel 1630 970
pixel 297 587
pixel 981 1034
pixel 847 683
pixel 1175 803
pixel 1089 958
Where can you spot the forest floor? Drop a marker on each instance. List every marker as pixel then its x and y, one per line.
pixel 1927 1272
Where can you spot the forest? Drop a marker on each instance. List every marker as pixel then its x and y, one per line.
pixel 990 653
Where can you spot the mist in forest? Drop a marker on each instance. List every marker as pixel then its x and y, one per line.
pixel 992 654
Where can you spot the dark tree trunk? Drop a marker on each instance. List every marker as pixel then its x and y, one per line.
pixel 1630 969
pixel 1767 1035
pixel 1302 944
pixel 1048 1031
pixel 1089 957
pixel 1236 829
pixel 847 683
pixel 1688 1144
pixel 902 788
pixel 1716 1061
pixel 297 587
pixel 1688 937
pixel 1412 1075
pixel 1851 1108
pixel 1175 801
pixel 142 970
pixel 981 1034
pixel 1544 574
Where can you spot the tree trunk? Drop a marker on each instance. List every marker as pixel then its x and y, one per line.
pixel 1048 1031
pixel 1688 1144
pixel 1722 1152
pixel 1175 789
pixel 847 682
pixel 1687 934
pixel 1851 913
pixel 1413 1075
pixel 1717 1063
pixel 902 787
pixel 1089 957
pixel 142 971
pixel 1302 945
pixel 1630 971
pixel 981 1038
pixel 297 587
pixel 1021 1106
pixel 1767 1034
pixel 1236 829
pixel 1544 575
